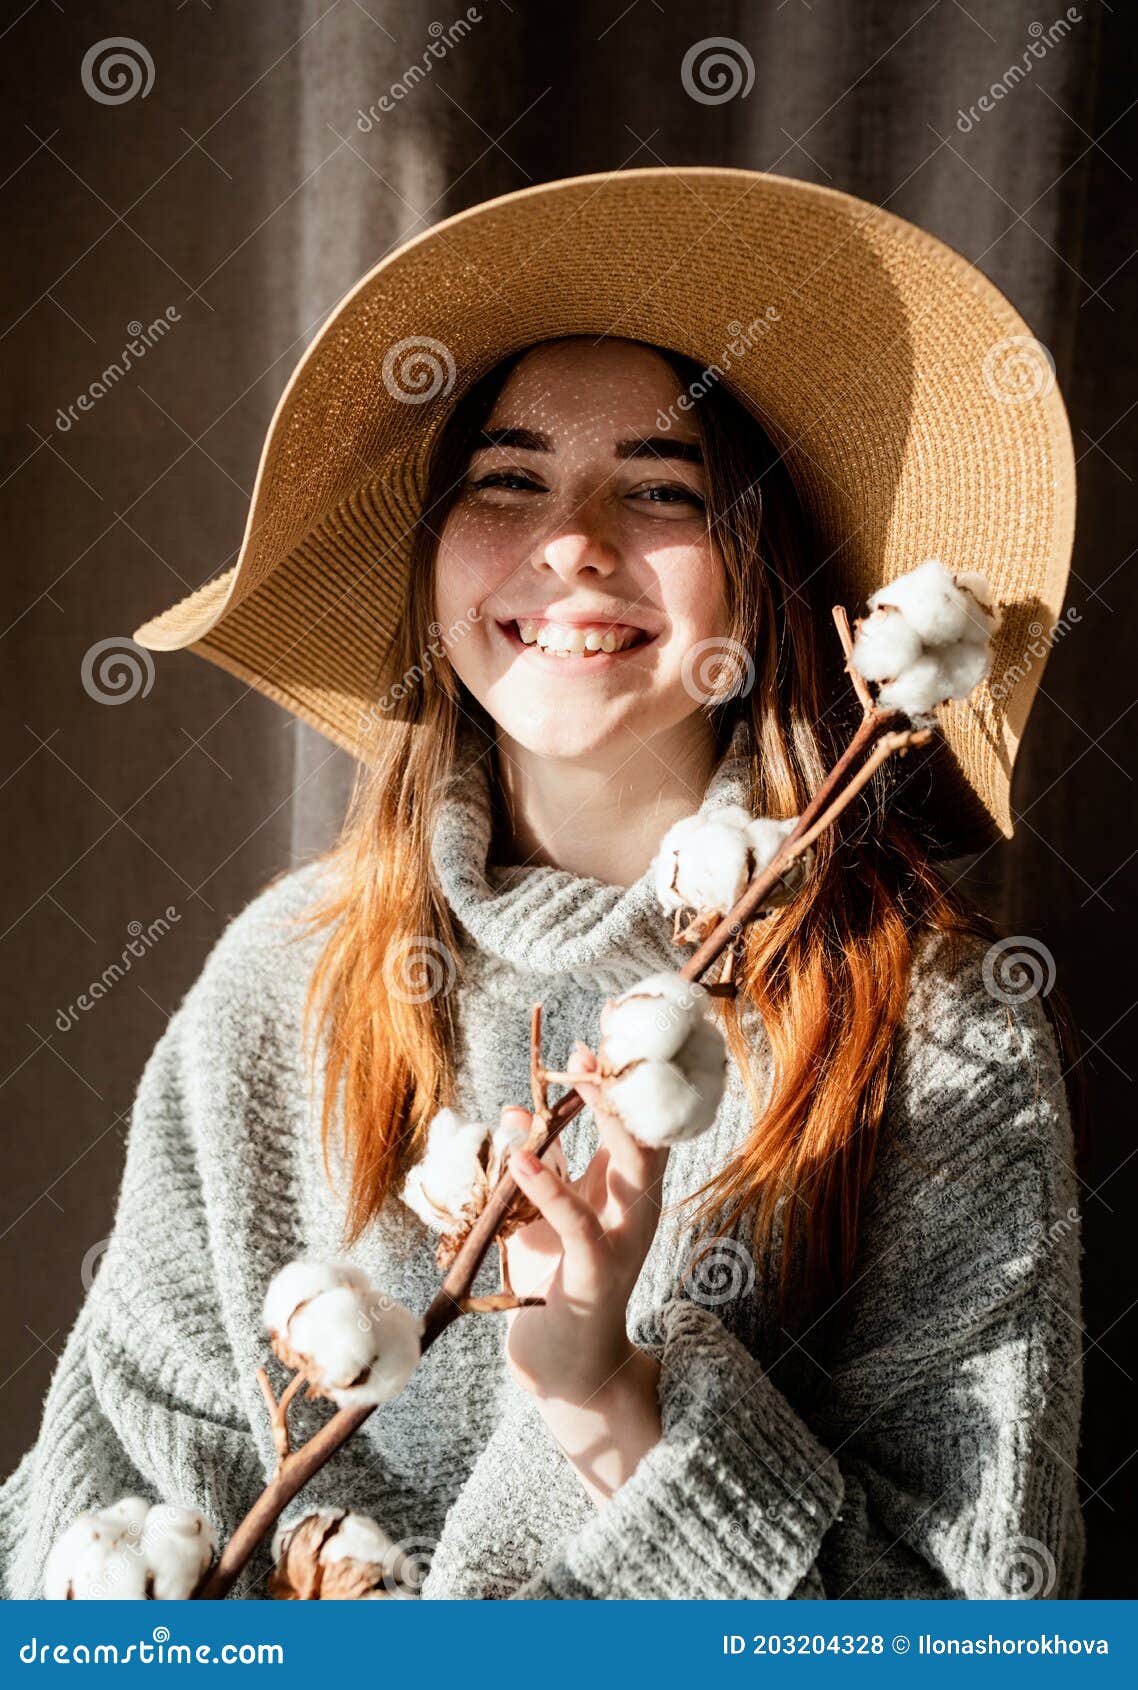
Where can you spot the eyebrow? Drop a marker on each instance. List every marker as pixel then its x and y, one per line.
pixel 644 446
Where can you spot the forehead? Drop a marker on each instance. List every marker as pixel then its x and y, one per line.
pixel 577 381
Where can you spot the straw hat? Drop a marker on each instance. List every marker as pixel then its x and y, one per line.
pixel 917 415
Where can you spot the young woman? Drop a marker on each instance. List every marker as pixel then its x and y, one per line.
pixel 828 1349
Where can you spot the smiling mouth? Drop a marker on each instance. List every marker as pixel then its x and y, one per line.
pixel 596 645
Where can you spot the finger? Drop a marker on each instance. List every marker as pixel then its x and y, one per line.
pixel 517 1118
pixel 571 1217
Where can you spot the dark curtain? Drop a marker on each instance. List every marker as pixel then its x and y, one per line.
pixel 234 193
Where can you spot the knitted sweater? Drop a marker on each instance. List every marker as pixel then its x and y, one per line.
pixel 925 1447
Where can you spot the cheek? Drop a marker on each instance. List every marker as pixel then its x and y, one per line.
pixel 693 590
pixel 475 556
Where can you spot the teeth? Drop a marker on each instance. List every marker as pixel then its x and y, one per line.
pixel 571 642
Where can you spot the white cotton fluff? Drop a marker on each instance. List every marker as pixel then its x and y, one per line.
pixel 358 1538
pixel 650 1021
pixel 178 1545
pixel 704 861
pixel 663 1059
pixel 298 1282
pixel 886 644
pixel 451 1175
pixel 507 1136
pixel 130 1551
pixel 939 606
pixel 354 1344
pixel 927 639
pixel 943 672
pixel 396 1349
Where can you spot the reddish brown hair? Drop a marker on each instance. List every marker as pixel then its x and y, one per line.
pixel 829 975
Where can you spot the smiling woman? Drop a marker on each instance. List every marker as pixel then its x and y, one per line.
pixel 827 1347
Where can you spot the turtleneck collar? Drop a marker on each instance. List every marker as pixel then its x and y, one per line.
pixel 549 921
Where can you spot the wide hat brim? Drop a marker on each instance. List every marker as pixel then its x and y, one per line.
pixel 917 415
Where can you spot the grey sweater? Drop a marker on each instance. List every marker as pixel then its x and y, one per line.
pixel 923 1444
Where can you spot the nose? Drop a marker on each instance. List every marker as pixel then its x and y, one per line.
pixel 571 549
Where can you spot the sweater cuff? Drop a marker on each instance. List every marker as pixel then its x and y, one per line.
pixel 734 1500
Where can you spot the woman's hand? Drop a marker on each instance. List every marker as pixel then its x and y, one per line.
pixel 595 1390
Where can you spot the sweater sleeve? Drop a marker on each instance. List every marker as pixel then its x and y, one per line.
pixel 940 1461
pixel 144 1399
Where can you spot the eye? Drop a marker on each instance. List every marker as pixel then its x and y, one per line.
pixel 669 493
pixel 508 480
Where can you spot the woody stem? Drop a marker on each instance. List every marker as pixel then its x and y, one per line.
pixel 838 789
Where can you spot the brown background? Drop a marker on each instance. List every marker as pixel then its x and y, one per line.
pixel 241 194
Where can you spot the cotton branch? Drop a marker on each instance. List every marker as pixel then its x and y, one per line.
pixel 881 734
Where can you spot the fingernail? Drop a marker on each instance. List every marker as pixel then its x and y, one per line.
pixel 525 1162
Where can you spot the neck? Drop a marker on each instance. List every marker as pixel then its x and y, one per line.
pixel 603 817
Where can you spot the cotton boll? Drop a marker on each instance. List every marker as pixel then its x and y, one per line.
pixel 298 1282
pixel 983 612
pixel 130 1551
pixel 95 1559
pixel 395 1343
pixel 703 862
pixel 886 643
pixel 930 601
pixel 506 1136
pixel 359 1538
pixel 655 1101
pixel 704 1058
pixel 917 690
pixel 330 1338
pixel 964 665
pixel 178 1545
pixel 451 1175
pixel 649 1021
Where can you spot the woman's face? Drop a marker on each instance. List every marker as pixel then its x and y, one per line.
pixel 581 524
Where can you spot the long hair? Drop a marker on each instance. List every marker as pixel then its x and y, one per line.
pixel 828 975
